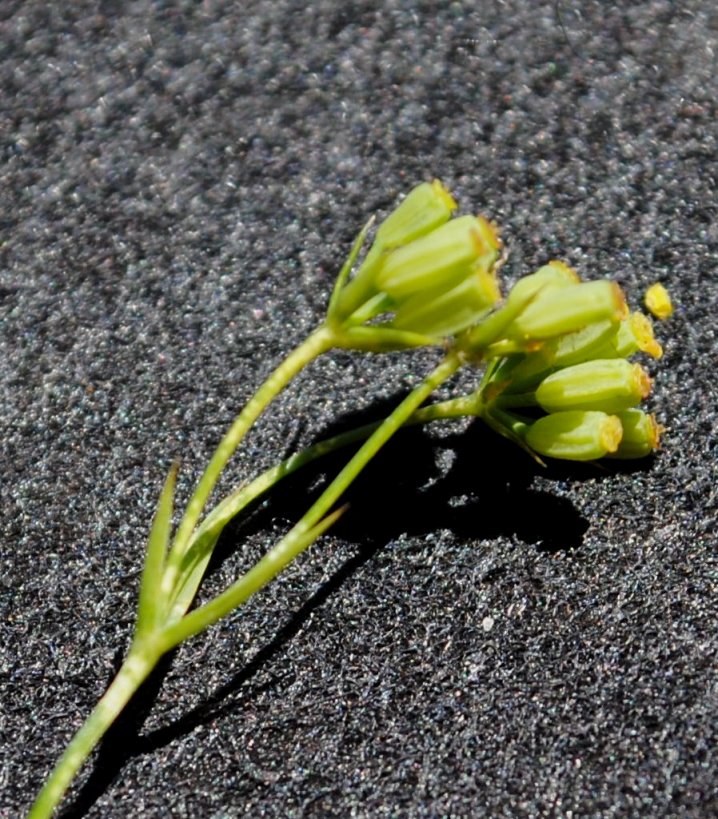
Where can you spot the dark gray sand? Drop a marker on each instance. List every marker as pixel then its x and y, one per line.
pixel 179 184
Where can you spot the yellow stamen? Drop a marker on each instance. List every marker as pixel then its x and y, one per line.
pixel 622 311
pixel 642 381
pixel 656 430
pixel 489 284
pixel 485 236
pixel 658 301
pixel 643 332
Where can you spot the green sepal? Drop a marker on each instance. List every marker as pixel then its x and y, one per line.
pixel 552 275
pixel 347 268
pixel 572 348
pixel 372 307
pixel 634 334
pixel 641 435
pixel 445 313
pixel 361 287
pixel 476 341
pixel 424 209
pixel 441 259
pixel 556 311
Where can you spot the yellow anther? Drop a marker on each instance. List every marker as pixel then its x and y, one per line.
pixel 658 301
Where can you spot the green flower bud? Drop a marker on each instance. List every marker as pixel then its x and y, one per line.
pixel 573 348
pixel 424 209
pixel 608 385
pixel 447 312
pixel 634 334
pixel 441 259
pixel 567 309
pixel 641 434
pixel 555 274
pixel 575 435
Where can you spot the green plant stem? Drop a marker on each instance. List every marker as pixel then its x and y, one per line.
pixel 137 666
pixel 206 535
pixel 233 504
pixel 146 651
pixel 296 541
pixel 321 340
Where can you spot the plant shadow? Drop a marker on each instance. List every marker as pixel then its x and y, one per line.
pixel 471 482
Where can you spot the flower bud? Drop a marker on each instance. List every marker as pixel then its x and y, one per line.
pixel 424 209
pixel 658 301
pixel 636 334
pixel 447 312
pixel 441 259
pixel 575 435
pixel 567 309
pixel 641 434
pixel 552 275
pixel 563 351
pixel 608 385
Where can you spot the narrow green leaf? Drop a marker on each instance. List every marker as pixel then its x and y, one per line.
pixel 204 539
pixel 318 342
pixel 241 590
pixel 150 602
pixel 201 546
pixel 191 573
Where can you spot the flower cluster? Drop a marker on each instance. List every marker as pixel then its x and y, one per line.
pixel 425 273
pixel 566 387
pixel 558 380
